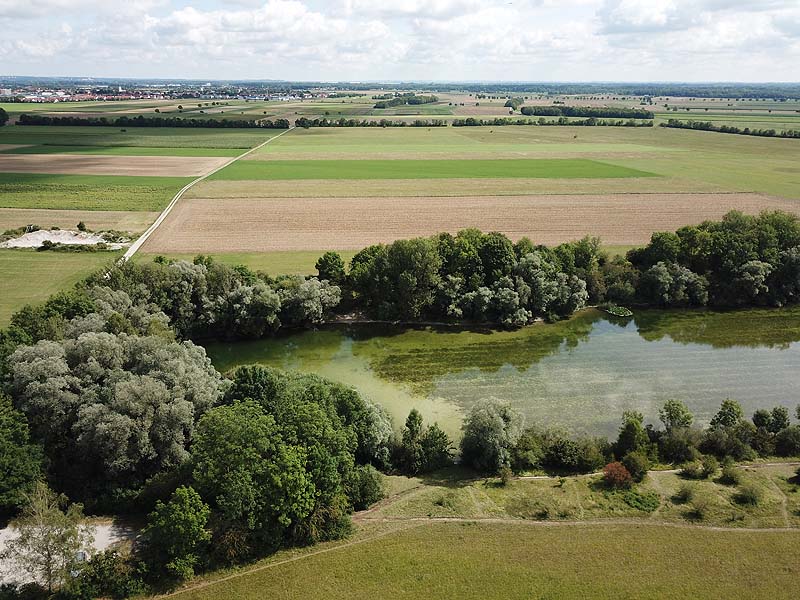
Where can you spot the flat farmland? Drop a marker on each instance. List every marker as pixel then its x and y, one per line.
pixel 284 224
pixel 344 188
pixel 553 168
pixel 72 164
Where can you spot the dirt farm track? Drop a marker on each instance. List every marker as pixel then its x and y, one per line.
pixel 269 224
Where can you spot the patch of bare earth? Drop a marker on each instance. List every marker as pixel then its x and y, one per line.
pixel 4 147
pixel 70 164
pixel 368 188
pixel 119 220
pixel 255 225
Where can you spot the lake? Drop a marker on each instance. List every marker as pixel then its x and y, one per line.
pixel 579 374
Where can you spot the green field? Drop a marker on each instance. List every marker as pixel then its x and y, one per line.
pixel 517 561
pixel 27 276
pixel 425 169
pixel 88 192
pixel 144 137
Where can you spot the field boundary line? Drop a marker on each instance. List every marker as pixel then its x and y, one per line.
pixel 134 248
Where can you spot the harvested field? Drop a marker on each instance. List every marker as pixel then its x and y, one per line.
pixel 70 164
pixel 120 220
pixel 208 225
pixel 323 188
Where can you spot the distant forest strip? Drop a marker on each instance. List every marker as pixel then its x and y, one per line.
pixel 411 99
pixel 586 111
pixel 709 126
pixel 561 121
pixel 306 122
pixel 142 121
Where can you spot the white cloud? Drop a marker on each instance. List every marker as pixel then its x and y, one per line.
pixel 419 39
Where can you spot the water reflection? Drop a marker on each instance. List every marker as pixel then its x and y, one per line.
pixel 579 373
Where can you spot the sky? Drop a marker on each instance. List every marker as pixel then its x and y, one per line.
pixel 368 40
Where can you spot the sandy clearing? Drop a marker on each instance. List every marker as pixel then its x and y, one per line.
pixel 255 225
pixel 346 188
pixel 131 221
pixel 35 239
pixel 97 164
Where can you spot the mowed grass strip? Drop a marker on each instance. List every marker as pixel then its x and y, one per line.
pixel 124 151
pixel 426 169
pixel 29 277
pixel 87 192
pixel 522 561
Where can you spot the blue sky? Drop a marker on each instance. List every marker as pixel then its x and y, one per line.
pixel 532 40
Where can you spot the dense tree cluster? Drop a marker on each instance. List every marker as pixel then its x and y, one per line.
pixel 3 117
pixel 471 276
pixel 738 261
pixel 541 121
pixel 142 121
pixel 342 122
pixel 494 436
pixel 709 126
pixel 403 99
pixel 608 112
pixel 514 103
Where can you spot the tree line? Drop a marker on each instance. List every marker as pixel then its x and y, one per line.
pixel 306 123
pixel 403 99
pixel 142 121
pixel 541 121
pixel 587 111
pixel 709 126
pixel 3 117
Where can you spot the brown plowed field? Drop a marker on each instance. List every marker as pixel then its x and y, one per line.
pixel 253 225
pixel 131 221
pixel 370 188
pixel 69 164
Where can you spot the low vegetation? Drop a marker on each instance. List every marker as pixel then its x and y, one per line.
pixel 709 126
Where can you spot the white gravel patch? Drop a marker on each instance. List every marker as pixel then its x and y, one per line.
pixel 34 239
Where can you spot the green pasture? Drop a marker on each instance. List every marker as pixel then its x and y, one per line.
pixel 88 192
pixel 143 137
pixel 425 169
pixel 518 561
pixel 29 277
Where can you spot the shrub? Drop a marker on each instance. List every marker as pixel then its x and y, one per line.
pixel 787 441
pixel 616 476
pixel 709 466
pixel 637 464
pixel 505 475
pixel 646 502
pixel 692 470
pixel 749 494
pixel 730 474
pixel 700 506
pixel 367 487
pixel 685 494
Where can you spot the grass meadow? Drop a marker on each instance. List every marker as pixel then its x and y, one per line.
pixel 88 192
pixel 519 561
pixel 29 277
pixel 425 169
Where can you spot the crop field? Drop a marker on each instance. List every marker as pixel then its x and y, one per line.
pixel 75 164
pixel 291 224
pixel 87 192
pixel 27 276
pixel 424 169
pixel 330 188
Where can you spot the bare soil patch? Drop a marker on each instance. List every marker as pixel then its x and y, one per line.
pixel 131 221
pixel 70 164
pixel 257 225
pixel 35 239
pixel 369 188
